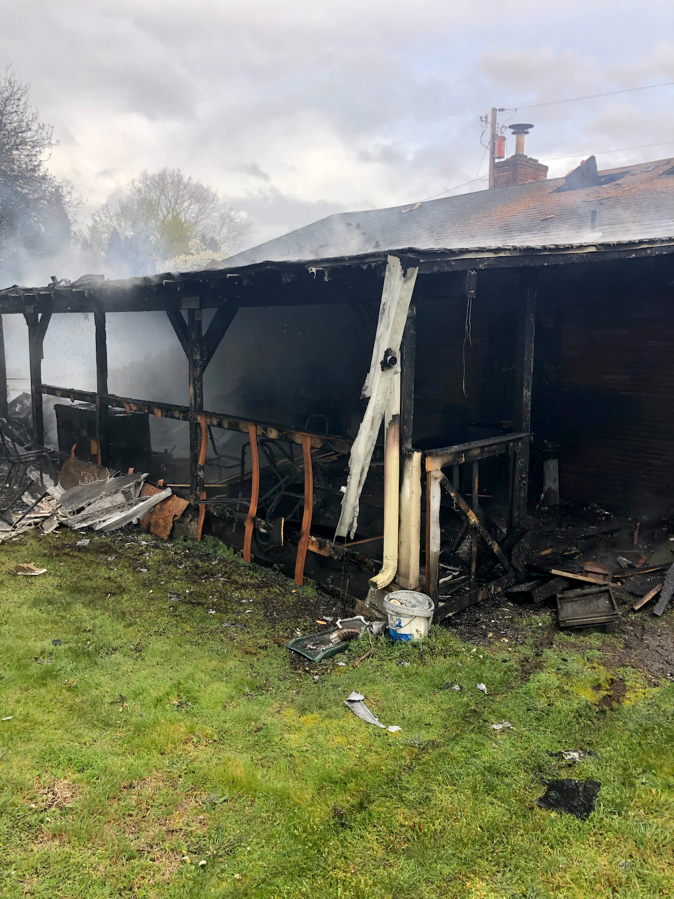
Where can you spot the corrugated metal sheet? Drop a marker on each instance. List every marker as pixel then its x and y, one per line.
pixel 616 402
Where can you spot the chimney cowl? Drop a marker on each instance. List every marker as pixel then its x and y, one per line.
pixel 520 130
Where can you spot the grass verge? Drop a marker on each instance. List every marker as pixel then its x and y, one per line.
pixel 159 743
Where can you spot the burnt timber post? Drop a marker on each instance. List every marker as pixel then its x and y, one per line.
pixel 199 349
pixel 195 359
pixel 524 374
pixel 4 405
pixel 102 411
pixel 408 349
pixel 37 328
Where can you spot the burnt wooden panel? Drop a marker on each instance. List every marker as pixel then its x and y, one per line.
pixel 616 395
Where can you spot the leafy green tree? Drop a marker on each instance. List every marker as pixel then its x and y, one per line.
pixel 164 218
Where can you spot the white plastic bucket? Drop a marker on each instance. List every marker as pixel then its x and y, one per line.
pixel 409 615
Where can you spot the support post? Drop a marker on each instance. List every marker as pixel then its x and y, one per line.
pixel 524 374
pixel 195 358
pixel 254 494
pixel 199 349
pixel 102 411
pixel 37 328
pixel 408 349
pixel 433 536
pixel 473 531
pixel 303 544
pixel 4 405
pixel 409 537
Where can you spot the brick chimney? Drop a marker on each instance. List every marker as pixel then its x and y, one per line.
pixel 519 169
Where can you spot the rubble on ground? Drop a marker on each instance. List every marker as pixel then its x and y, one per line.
pixel 88 496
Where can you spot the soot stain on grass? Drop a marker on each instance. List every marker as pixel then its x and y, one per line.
pixel 614 696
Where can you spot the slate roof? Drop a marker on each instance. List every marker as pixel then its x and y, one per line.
pixel 631 203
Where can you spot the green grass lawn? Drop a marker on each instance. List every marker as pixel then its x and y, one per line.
pixel 156 752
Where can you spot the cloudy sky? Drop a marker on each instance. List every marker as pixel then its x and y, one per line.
pixel 298 109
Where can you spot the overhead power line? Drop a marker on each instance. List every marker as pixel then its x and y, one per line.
pixel 629 90
pixel 449 190
pixel 603 152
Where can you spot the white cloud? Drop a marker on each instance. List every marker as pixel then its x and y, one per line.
pixel 339 105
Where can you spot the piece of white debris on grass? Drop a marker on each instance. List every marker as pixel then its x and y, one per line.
pixel 482 688
pixel 28 569
pixel 503 725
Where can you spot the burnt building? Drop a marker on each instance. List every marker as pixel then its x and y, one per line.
pixel 469 356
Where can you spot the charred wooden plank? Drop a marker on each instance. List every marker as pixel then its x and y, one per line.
pixel 469 452
pixel 407 366
pixel 223 318
pixel 179 325
pixel 524 373
pixel 463 601
pixel 37 328
pixel 254 494
pixel 640 603
pixel 551 588
pixel 218 420
pixel 102 411
pixel 307 514
pixel 577 577
pixel 195 359
pixel 476 523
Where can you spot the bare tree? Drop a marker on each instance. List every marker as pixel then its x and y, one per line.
pixel 166 217
pixel 35 207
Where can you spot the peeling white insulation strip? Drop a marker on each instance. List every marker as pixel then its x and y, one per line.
pixel 395 303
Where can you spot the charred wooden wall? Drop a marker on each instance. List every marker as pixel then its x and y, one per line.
pixel 604 390
pixel 449 360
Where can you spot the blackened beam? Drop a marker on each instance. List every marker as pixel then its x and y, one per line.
pixel 407 367
pixel 524 374
pixel 102 411
pixel 475 521
pixel 541 259
pixel 215 419
pixel 195 360
pixel 223 318
pixel 37 328
pixel 317 545
pixel 179 325
pixel 176 296
pixel 469 452
pixel 457 603
pixel 292 288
